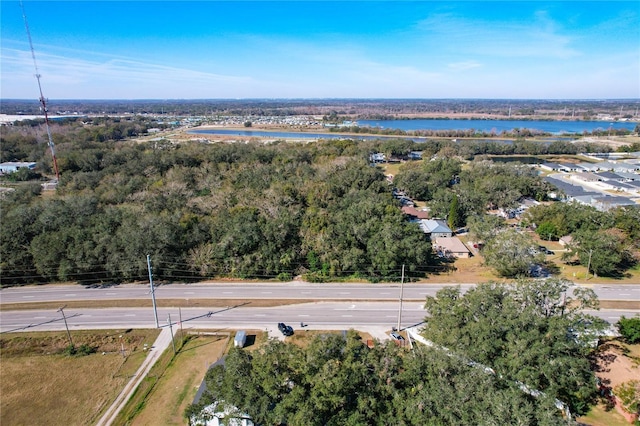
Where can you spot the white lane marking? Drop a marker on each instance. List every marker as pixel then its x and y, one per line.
pixel 70 294
pixel 347 316
pixel 129 315
pixel 344 292
pixel 266 292
pixel 625 294
pixel 227 292
pixel 304 315
pixel 111 294
pixel 28 297
pixel 391 316
pixel 39 317
pixel 189 292
pixel 259 315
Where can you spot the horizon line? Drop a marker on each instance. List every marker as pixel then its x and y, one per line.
pixel 322 99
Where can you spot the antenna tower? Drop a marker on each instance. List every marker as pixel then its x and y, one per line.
pixel 43 102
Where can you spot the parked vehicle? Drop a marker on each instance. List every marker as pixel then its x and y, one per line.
pixel 241 339
pixel 396 336
pixel 285 329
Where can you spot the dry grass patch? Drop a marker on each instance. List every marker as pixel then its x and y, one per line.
pixel 40 385
pixel 304 337
pixel 178 383
pixel 600 416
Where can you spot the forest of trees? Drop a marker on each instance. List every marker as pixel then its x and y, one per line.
pixel 247 210
pixel 199 210
pixel 529 335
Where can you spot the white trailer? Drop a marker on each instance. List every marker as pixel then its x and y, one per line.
pixel 240 339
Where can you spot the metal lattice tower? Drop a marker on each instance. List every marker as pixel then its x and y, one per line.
pixel 43 102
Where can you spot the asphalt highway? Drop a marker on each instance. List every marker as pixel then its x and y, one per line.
pixel 317 315
pixel 278 291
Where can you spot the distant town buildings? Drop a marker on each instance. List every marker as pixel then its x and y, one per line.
pixel 604 185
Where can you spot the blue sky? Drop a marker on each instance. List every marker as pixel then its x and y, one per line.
pixel 326 49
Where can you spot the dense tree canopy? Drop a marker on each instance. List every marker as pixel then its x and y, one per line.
pixel 199 210
pixel 607 243
pixel 530 335
pixel 339 381
pixel 531 332
pixel 511 253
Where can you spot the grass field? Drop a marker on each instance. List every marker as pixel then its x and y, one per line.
pixel 600 416
pixel 178 383
pixel 39 384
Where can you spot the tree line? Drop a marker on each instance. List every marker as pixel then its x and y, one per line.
pixel 201 210
pixel 499 355
pixel 239 210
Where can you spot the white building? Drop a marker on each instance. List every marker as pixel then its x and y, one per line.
pixel 13 166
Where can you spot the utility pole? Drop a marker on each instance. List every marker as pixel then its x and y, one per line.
pixel 173 343
pixel 153 292
pixel 401 294
pixel 589 263
pixel 66 325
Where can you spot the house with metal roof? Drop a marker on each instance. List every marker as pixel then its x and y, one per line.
pixel 554 167
pixel 607 176
pixel 435 228
pixel 608 202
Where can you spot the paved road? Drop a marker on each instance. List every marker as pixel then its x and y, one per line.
pixel 317 315
pixel 295 290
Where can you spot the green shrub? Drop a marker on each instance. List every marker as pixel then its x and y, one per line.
pixel 629 329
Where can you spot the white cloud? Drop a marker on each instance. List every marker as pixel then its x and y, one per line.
pixel 538 38
pixel 463 66
pixel 68 77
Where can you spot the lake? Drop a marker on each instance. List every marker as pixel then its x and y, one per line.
pixel 555 127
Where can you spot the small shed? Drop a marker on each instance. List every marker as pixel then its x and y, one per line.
pixel 240 339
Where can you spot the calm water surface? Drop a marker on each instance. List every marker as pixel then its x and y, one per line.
pixel 555 127
pixel 488 126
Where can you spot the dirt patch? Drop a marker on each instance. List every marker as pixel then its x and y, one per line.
pixel 616 363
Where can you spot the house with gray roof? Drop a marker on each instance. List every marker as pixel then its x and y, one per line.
pixel 625 168
pixel 629 176
pixel 554 167
pixel 589 167
pixel 435 228
pixel 568 189
pixel 569 167
pixel 607 176
pixel 608 202
pixel 451 247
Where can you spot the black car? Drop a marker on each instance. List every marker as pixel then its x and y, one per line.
pixel 285 329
